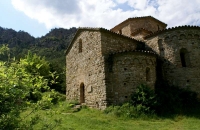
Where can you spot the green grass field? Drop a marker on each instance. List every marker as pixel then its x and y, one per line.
pixel 92 119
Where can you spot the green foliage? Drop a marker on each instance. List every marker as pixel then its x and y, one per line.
pixel 35 64
pixel 144 99
pixel 90 119
pixel 18 81
pixel 4 49
pixel 165 100
pixel 127 110
pixel 4 53
pixel 52 46
pixel 175 100
pixel 49 99
pixel 143 103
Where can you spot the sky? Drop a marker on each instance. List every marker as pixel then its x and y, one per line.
pixel 38 17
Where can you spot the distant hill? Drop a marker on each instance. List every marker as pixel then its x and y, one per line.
pixel 52 46
pixel 57 40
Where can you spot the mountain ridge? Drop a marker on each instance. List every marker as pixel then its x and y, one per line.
pixel 52 46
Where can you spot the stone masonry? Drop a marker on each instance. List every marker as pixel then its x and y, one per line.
pixel 104 67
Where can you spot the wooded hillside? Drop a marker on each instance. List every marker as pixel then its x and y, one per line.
pixel 52 46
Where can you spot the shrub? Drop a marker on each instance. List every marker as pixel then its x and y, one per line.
pixel 127 110
pixel 55 96
pixel 17 83
pixel 144 99
pixel 143 103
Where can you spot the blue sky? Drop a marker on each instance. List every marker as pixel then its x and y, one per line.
pixel 12 18
pixel 37 17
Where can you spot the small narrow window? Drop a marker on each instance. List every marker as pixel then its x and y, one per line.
pixel 184 55
pixel 158 27
pixel 80 45
pixel 161 48
pixel 120 31
pixel 82 93
pixel 148 74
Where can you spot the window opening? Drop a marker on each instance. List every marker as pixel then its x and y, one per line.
pixel 80 45
pixel 82 93
pixel 184 55
pixel 120 31
pixel 147 74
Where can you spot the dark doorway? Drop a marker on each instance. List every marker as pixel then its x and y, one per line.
pixel 82 93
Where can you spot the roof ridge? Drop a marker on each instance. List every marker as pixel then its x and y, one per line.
pixel 142 51
pixel 171 28
pixel 97 29
pixel 137 18
pixel 104 29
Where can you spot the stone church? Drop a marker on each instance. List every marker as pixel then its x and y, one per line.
pixel 104 67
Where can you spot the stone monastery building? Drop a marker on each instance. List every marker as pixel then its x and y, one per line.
pixel 104 67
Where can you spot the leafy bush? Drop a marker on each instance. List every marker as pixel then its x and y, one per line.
pixel 18 83
pixel 144 99
pixel 49 99
pixel 143 103
pixel 164 101
pixel 127 110
pixel 35 64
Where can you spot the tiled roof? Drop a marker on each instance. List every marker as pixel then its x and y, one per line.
pixel 141 51
pixel 172 28
pixel 103 29
pixel 138 18
pixel 96 29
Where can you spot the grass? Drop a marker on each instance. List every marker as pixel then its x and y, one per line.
pixel 92 119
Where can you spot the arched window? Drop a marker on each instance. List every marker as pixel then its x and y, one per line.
pixel 148 74
pixel 80 46
pixel 184 55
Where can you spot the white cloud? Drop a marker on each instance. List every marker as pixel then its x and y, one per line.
pixel 106 13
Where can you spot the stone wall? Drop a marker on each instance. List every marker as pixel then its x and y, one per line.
pixel 86 68
pixel 148 24
pixel 130 26
pixel 128 70
pixel 170 45
pixel 126 30
pixel 139 35
pixel 112 43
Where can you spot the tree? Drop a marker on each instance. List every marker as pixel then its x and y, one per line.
pixel 16 81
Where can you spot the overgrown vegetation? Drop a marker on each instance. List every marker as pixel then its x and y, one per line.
pixel 52 46
pixel 165 101
pixel 23 84
pixel 92 119
pixel 174 100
